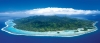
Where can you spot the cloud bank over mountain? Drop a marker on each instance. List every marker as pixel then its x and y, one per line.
pixel 50 11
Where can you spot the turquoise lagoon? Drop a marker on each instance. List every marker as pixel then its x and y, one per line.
pixel 65 33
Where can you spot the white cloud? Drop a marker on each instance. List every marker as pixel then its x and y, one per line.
pixel 51 11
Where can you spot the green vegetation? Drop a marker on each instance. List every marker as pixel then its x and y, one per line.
pixel 51 23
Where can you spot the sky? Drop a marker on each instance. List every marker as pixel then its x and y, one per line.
pixel 26 7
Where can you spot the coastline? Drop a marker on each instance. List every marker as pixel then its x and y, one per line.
pixel 54 34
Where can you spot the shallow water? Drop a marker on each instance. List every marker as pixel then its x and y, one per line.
pixel 66 33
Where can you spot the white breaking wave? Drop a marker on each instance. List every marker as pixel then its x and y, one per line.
pixel 50 11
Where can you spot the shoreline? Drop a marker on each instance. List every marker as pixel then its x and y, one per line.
pixel 28 33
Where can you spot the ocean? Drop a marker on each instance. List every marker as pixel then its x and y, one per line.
pixel 93 37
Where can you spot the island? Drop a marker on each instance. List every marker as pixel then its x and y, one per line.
pixel 52 23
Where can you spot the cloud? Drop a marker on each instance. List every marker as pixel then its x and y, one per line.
pixel 50 11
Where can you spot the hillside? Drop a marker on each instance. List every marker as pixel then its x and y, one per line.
pixel 51 23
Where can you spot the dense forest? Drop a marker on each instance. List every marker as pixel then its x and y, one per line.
pixel 51 23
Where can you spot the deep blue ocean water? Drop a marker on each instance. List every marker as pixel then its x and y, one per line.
pixel 18 5
pixel 93 37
